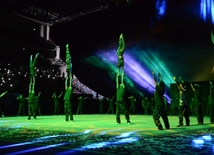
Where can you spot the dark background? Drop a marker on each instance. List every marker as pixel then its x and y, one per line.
pixel 181 38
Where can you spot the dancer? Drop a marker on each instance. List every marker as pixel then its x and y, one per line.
pixel 56 103
pixel 1 112
pixel 152 105
pixel 120 51
pixel 31 92
pixel 101 105
pixel 159 104
pixel 120 103
pixel 198 103
pixel 80 104
pixel 111 107
pixel 68 88
pixel 31 105
pixel 183 110
pixel 132 104
pixel 67 103
pixel 145 105
pixel 32 68
pixel 211 104
pixel 68 62
pixel 21 101
pixel 36 104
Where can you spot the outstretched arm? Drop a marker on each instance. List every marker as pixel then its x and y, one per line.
pixel 39 94
pixel 3 94
pixel 85 98
pixel 60 95
pixel 53 95
pixel 155 81
pixel 193 88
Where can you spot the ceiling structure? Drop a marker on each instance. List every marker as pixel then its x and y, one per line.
pixel 57 11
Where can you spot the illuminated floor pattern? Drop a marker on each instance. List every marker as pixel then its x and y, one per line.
pixel 99 134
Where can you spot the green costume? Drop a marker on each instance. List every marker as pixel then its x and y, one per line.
pixel 120 51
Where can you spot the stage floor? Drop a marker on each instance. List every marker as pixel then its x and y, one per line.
pixel 99 134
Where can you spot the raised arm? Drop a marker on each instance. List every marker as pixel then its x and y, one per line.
pixel 193 88
pixel 3 94
pixel 60 95
pixel 39 94
pixel 174 77
pixel 154 78
pixel 53 95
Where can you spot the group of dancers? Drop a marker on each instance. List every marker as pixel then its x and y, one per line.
pixel 159 100
pixel 121 107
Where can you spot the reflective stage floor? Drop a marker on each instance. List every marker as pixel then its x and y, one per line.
pixel 99 134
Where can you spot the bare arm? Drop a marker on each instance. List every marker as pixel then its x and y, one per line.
pixel 3 94
pixel 60 95
pixel 53 95
pixel 39 94
pixel 193 88
pixel 155 81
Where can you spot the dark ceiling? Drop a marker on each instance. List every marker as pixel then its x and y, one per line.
pixel 57 11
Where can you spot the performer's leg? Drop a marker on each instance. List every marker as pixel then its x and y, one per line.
pixel 71 113
pixel 126 113
pixel 165 119
pixel 156 118
pixel 19 111
pixel 112 109
pixel 180 115
pixel 186 115
pixel 66 110
pixel 118 110
pixel 211 113
pixel 81 108
pixel 30 87
pixel 29 110
pixel 78 108
pixel 200 115
pixel 34 110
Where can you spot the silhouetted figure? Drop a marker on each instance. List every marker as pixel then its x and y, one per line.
pixel 56 103
pixel 31 105
pixel 67 104
pixel 183 110
pixel 111 105
pixel 21 110
pixel 1 112
pixel 160 110
pixel 120 103
pixel 101 105
pixel 211 104
pixel 37 105
pixel 151 105
pixel 120 52
pixel 198 103
pixel 80 104
pixel 132 104
pixel 145 105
